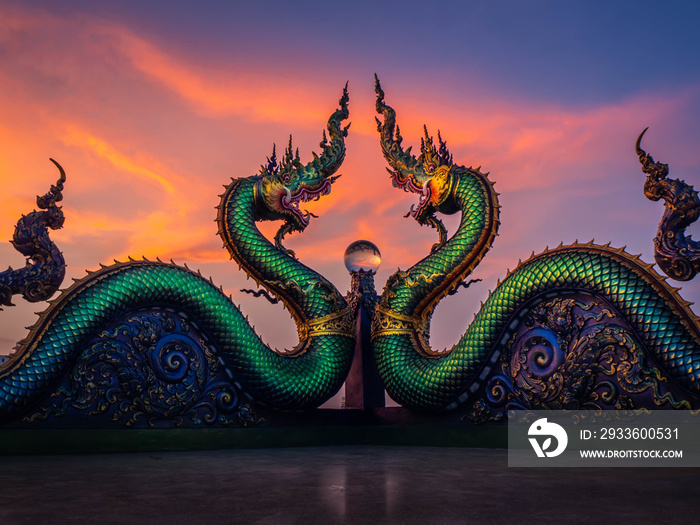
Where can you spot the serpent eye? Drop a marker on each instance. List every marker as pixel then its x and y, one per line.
pixel 431 167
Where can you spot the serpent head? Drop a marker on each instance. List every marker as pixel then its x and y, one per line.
pixel 432 175
pixel 283 186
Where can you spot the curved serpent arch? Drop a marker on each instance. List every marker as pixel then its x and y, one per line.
pixel 574 327
pixel 151 340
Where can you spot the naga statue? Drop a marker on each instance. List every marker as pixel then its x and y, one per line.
pixel 45 268
pixel 677 255
pixel 582 326
pixel 148 342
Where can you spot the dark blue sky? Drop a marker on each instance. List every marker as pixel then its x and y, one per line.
pixel 558 51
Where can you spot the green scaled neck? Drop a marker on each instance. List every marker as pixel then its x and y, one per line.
pixel 311 299
pixel 416 292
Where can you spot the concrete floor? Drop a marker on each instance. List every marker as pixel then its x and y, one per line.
pixel 356 485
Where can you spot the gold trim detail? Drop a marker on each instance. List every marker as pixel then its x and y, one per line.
pixel 387 322
pixel 336 323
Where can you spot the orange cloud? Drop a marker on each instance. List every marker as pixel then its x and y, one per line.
pixel 230 91
pixel 120 161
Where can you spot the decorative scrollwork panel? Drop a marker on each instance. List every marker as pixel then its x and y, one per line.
pixel 151 367
pixel 572 352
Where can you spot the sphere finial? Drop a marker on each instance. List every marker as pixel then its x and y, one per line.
pixel 362 256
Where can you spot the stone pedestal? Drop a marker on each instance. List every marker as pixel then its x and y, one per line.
pixel 363 388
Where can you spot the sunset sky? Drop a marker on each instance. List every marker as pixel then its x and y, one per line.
pixel 152 106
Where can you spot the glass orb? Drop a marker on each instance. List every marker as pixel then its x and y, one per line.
pixel 362 256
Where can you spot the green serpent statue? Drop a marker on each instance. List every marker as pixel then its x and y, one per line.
pixel 575 327
pixel 155 342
